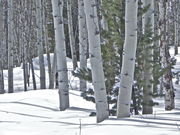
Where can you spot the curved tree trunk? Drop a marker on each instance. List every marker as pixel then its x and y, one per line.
pixel 96 60
pixel 128 65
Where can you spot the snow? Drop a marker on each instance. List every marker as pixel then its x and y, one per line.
pixel 36 112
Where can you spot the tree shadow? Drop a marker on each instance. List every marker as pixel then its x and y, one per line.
pixel 24 114
pixel 147 123
pixel 34 105
pixel 17 122
pixel 80 109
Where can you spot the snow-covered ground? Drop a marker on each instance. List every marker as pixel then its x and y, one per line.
pixel 36 113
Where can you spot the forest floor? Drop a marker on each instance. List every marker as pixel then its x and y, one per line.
pixel 36 113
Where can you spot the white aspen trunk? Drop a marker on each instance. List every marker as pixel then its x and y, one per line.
pixel 71 34
pixel 164 52
pixel 96 60
pixel 57 6
pixel 83 41
pixel 128 65
pixel 40 44
pixel 10 47
pixel 148 21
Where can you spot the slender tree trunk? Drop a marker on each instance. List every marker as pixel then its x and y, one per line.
pixel 1 50
pixel 46 41
pixel 1 82
pixel 33 74
pixel 164 52
pixel 128 65
pixel 10 47
pixel 61 54
pixel 176 23
pixel 83 41
pixel 96 60
pixel 148 21
pixel 25 77
pixel 40 44
pixel 71 34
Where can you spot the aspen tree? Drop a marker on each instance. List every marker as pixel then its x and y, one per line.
pixel 10 47
pixel 57 6
pixel 128 65
pixel 40 43
pixel 1 50
pixel 96 59
pixel 148 21
pixel 71 34
pixel 165 56
pixel 83 41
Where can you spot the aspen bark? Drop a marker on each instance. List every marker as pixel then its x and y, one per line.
pixel 128 65
pixel 165 56
pixel 96 60
pixel 83 41
pixel 61 54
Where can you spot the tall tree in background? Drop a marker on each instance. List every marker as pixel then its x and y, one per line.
pixel 71 34
pixel 40 43
pixel 46 19
pixel 1 50
pixel 127 72
pixel 165 56
pixel 176 24
pixel 148 27
pixel 10 47
pixel 96 59
pixel 83 41
pixel 57 6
